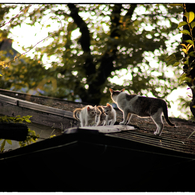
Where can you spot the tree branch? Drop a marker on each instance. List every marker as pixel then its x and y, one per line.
pixel 131 11
pixel 84 39
pixel 106 66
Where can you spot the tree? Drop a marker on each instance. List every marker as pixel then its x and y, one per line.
pixel 189 68
pixel 86 65
pixel 188 60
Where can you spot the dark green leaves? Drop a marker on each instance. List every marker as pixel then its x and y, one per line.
pixel 171 60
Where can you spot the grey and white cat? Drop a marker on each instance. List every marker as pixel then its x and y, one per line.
pixel 141 106
pixel 87 115
pixel 110 114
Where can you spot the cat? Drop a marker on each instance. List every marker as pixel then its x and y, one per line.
pixel 102 116
pixel 141 106
pixel 87 115
pixel 110 114
pixel 98 114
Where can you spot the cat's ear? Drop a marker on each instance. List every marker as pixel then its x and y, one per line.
pixel 111 90
pixel 88 108
pixel 108 105
pixel 123 90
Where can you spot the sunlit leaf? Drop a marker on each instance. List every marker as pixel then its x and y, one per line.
pixel 185 51
pixel 191 17
pixel 183 45
pixel 9 141
pixel 185 32
pixel 189 46
pixel 182 24
pixel 190 42
pixel 27 120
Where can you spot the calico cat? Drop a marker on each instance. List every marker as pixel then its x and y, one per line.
pixel 86 115
pixel 102 116
pixel 110 114
pixel 141 106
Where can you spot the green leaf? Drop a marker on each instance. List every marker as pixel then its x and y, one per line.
pixel 2 145
pixel 186 62
pixel 182 24
pixel 186 14
pixel 191 17
pixel 192 25
pixel 9 141
pixel 192 53
pixel 171 59
pixel 176 63
pixel 190 42
pixel 176 4
pixel 186 32
pixel 27 120
pixel 183 78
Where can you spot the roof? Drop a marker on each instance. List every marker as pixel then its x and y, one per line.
pixel 114 158
pixel 171 138
pixel 87 160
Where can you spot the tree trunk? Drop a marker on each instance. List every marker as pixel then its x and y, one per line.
pixel 97 78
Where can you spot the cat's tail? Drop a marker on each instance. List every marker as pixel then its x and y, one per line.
pixel 76 113
pixel 165 112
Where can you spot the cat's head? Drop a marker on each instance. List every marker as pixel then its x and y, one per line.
pixel 114 94
pixel 107 108
pixel 91 111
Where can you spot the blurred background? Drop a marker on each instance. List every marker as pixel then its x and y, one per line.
pixel 78 51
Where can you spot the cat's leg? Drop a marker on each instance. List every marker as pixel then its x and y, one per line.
pixel 107 122
pixel 125 114
pixel 97 120
pixel 112 122
pixel 82 122
pixel 157 118
pixel 104 123
pixel 129 117
pixel 86 122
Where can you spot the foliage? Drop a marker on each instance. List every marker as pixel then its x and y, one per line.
pixel 187 66
pixel 114 39
pixel 188 61
pixel 31 137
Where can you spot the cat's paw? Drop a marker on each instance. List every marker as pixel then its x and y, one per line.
pixel 156 133
pixel 122 123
